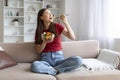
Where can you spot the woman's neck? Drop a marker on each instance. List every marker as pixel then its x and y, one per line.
pixel 46 25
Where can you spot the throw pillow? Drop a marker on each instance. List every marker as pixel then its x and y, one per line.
pixel 109 56
pixel 1 49
pixel 6 60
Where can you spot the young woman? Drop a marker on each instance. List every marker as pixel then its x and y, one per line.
pixel 50 50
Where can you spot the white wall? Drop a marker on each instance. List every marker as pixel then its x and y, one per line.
pixel 77 17
pixel 1 20
pixel 82 19
pixel 71 7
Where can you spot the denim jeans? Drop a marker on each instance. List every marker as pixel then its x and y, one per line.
pixel 54 62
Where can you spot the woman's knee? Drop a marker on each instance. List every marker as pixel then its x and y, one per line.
pixel 36 65
pixel 77 59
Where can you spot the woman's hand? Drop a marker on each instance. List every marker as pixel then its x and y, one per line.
pixel 63 18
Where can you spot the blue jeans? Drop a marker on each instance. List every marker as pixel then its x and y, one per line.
pixel 54 62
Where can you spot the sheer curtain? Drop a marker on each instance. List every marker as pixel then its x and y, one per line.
pixel 97 22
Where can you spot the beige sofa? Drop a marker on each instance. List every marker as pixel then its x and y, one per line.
pixel 24 54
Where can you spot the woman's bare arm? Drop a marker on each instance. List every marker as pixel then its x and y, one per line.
pixel 68 32
pixel 40 47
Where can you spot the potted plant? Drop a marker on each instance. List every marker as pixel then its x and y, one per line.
pixel 15 22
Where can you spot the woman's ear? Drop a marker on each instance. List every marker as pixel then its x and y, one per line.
pixel 41 17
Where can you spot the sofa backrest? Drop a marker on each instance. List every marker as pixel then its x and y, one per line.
pixel 21 52
pixel 85 48
pixel 25 52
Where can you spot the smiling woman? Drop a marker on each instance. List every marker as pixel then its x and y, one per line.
pixel 49 47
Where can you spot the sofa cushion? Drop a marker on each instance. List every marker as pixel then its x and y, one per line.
pixel 6 60
pixel 90 75
pixel 22 72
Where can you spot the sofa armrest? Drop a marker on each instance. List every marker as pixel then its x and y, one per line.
pixel 110 56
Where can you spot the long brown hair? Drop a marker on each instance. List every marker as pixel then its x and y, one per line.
pixel 40 27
